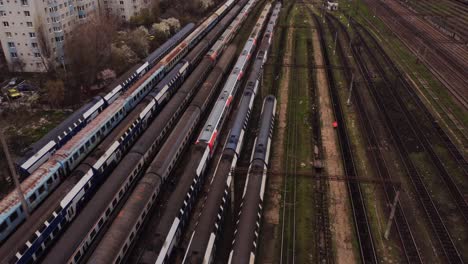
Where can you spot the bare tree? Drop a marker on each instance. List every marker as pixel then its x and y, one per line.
pixel 18 65
pixel 55 92
pixel 88 51
pixel 44 45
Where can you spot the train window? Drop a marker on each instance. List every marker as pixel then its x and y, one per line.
pixel 3 226
pixel 82 149
pixel 93 233
pixel 138 225
pixel 23 249
pixel 103 129
pixel 87 144
pixel 77 256
pixel 118 260
pixel 43 227
pixel 108 212
pixel 93 139
pixel 47 241
pixel 120 193
pixel 50 219
pixel 41 189
pixel 98 134
pixel 32 198
pixel 54 233
pixel 75 156
pixel 49 181
pixel 100 222
pixel 39 251
pixel 132 235
pixel 114 202
pixel 108 125
pixel 32 238
pixel 125 248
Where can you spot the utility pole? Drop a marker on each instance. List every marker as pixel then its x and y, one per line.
pixel 348 102
pixel 14 175
pixel 392 214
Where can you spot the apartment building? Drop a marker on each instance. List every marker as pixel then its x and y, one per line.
pixel 33 31
pixel 124 9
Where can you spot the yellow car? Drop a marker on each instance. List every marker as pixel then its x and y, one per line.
pixel 14 93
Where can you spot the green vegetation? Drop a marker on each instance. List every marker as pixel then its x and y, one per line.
pixel 301 149
pixel 431 88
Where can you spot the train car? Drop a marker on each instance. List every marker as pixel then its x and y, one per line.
pixel 179 206
pixel 158 54
pixel 222 105
pixel 83 231
pixel 139 167
pixel 51 173
pixel 40 151
pixel 244 245
pixel 56 138
pixel 203 241
pixel 116 242
pixel 89 176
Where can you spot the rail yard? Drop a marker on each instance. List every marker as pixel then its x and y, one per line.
pixel 293 131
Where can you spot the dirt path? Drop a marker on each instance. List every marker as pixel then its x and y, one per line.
pixel 272 210
pixel 341 222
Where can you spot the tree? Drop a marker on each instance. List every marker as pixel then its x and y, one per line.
pixel 44 46
pixel 18 65
pixel 87 53
pixel 122 57
pixel 145 17
pixel 137 40
pixel 55 90
pixel 161 29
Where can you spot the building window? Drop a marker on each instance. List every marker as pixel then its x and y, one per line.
pixel 29 24
pixel 14 54
pixel 32 34
pixel 1 2
pixel 26 13
pixel 37 55
pixel 11 44
pixel 8 34
pixel 34 44
pixel 5 24
pixel 121 2
pixel 2 13
pixel 24 2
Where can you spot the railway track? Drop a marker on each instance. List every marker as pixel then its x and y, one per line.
pixel 323 237
pixel 288 228
pixel 446 60
pixel 423 131
pixel 406 235
pixel 365 240
pixel 400 124
pixel 449 17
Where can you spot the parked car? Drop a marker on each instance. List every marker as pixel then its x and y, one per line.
pixel 13 81
pixel 24 87
pixel 13 93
